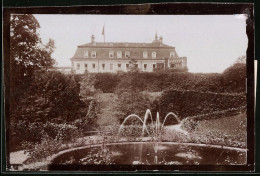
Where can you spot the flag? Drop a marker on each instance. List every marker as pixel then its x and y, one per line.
pixel 103 31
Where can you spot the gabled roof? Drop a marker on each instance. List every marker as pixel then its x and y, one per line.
pixel 124 45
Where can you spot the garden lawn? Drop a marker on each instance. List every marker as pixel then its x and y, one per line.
pixel 107 113
pixel 233 127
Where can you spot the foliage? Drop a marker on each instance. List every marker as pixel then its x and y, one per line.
pixel 191 103
pixel 87 87
pixel 27 54
pixel 232 80
pixel 63 132
pixel 101 155
pixel 189 124
pixel 91 117
pixel 52 96
pixel 106 82
pixel 133 67
pixel 234 77
pixel 130 102
pixel 25 134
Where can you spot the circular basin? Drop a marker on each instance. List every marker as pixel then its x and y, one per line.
pixel 149 153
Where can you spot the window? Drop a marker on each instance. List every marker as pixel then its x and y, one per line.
pixel 172 54
pixel 93 54
pixel 103 66
pixel 145 54
pixel 119 66
pixel 127 66
pixel 145 66
pixel 154 66
pixel 111 54
pixel 111 66
pixel 86 66
pixel 93 66
pixel 78 66
pixel 127 54
pixel 153 55
pixel 85 54
pixel 119 54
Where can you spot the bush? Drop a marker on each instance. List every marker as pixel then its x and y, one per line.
pixel 21 131
pixel 52 97
pixel 64 132
pixel 106 82
pixel 189 124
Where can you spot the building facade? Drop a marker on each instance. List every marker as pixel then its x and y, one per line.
pixel 114 57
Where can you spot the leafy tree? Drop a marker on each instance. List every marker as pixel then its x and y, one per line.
pixel 91 117
pixel 133 67
pixel 87 87
pixel 27 53
pixel 234 77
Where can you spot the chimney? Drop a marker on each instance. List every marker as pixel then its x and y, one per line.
pixel 92 39
pixel 161 40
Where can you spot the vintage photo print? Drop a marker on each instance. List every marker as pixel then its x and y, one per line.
pixel 164 87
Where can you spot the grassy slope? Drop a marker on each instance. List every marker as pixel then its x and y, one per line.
pixel 107 103
pixel 107 109
pixel 234 127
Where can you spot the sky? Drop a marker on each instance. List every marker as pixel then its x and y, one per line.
pixel 211 43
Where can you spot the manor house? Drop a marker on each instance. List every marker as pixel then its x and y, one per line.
pixel 116 56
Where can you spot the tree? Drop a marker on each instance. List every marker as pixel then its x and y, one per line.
pixel 234 77
pixel 133 67
pixel 87 87
pixel 27 53
pixel 91 117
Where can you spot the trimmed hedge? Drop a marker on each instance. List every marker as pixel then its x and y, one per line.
pixel 232 80
pixel 191 103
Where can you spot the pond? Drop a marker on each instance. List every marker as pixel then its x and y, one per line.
pixel 149 153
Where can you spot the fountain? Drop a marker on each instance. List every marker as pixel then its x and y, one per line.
pixel 157 128
pixel 154 152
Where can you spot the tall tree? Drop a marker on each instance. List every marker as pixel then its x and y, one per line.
pixel 27 52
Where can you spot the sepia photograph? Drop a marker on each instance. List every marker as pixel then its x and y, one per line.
pixel 122 92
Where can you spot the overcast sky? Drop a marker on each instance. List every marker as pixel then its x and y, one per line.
pixel 211 43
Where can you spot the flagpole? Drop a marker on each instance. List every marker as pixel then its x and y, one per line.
pixel 103 32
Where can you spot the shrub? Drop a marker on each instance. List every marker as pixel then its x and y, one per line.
pixel 63 132
pixel 189 124
pixel 52 96
pixel 106 82
pixel 21 131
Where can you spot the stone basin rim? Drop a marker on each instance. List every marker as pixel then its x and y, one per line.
pixel 142 142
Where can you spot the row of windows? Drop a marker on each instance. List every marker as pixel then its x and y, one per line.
pixel 119 54
pixel 112 65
